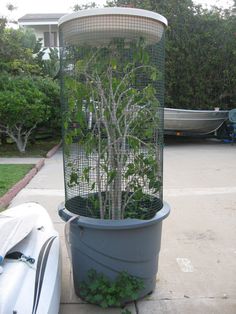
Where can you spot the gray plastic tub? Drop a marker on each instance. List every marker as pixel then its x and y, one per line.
pixel 113 246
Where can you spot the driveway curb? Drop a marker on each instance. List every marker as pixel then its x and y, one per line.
pixel 10 194
pixel 52 151
pixel 6 198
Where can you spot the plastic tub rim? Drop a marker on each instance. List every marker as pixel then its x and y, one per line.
pixel 128 223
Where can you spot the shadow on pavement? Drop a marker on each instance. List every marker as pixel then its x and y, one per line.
pixel 171 140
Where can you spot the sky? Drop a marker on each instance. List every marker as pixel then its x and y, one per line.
pixel 65 6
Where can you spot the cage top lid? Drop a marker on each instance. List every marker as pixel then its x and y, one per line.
pixel 113 11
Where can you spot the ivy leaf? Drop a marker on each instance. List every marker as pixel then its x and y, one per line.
pixel 154 75
pixel 93 186
pixel 111 176
pixel 114 64
pixel 98 298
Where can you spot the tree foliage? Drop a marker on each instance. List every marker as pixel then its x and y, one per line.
pixel 200 53
pixel 22 107
pixel 28 96
pixel 16 51
pixel 89 5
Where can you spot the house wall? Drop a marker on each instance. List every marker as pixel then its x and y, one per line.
pixel 40 29
pixel 39 33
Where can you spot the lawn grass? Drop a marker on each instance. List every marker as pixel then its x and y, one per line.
pixel 11 174
pixel 38 149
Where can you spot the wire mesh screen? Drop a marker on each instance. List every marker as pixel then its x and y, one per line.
pixel 112 98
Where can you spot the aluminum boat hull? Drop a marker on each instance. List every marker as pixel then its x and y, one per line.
pixel 187 122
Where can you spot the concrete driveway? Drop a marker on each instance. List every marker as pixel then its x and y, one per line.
pixel 197 266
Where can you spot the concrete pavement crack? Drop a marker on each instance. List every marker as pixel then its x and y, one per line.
pixel 188 297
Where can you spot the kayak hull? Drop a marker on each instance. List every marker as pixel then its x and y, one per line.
pixel 32 288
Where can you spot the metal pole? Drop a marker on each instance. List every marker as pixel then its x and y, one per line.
pixel 50 35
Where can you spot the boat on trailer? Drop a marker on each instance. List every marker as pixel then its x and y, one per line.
pixel 30 265
pixel 193 122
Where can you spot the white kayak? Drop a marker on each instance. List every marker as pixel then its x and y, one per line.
pixel 30 266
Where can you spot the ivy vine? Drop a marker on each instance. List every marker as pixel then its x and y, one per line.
pixel 100 290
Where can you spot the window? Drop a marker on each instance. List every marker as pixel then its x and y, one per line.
pixel 50 39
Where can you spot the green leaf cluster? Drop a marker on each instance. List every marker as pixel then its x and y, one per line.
pixel 200 67
pixel 144 167
pixel 111 109
pixel 100 290
pixel 16 51
pixel 28 96
pixel 22 102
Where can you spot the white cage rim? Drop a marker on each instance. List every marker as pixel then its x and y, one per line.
pixel 113 11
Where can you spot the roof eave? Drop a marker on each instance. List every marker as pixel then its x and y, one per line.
pixel 28 23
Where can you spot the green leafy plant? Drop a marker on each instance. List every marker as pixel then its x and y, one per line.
pixel 98 289
pixel 112 112
pixel 126 312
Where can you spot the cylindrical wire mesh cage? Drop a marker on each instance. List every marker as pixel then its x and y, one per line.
pixel 112 79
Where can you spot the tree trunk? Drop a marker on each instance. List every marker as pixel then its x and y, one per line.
pixel 20 145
